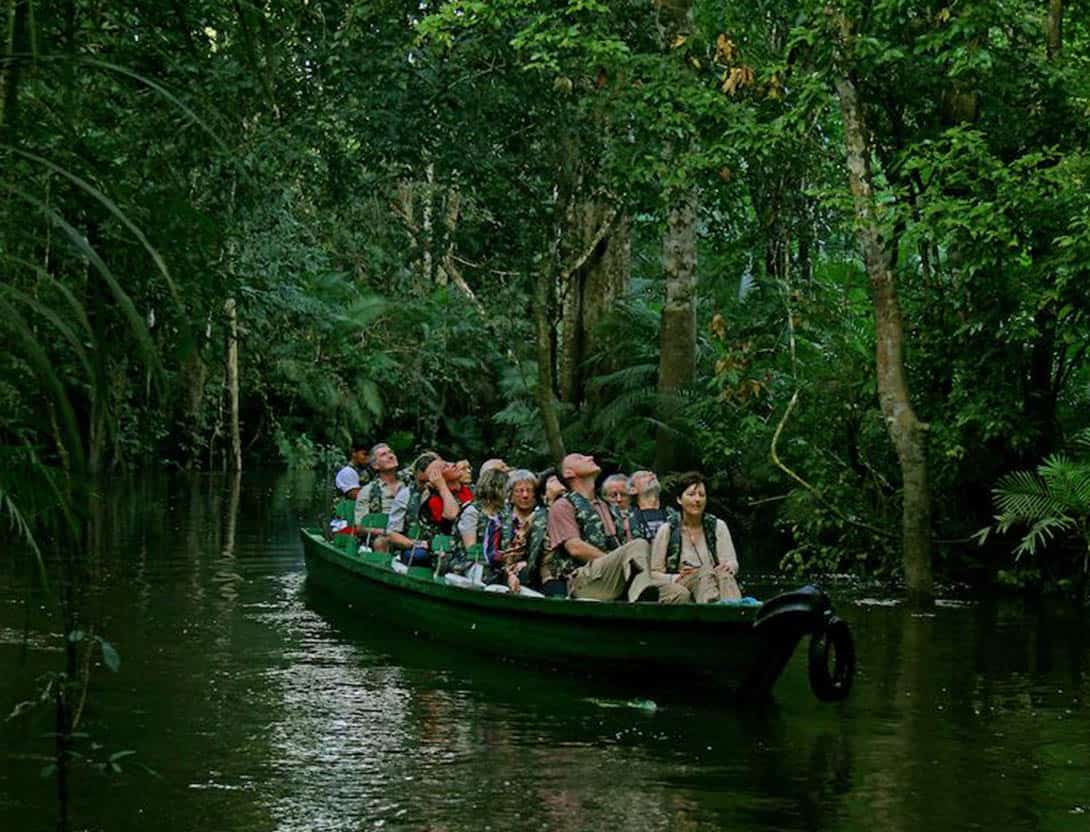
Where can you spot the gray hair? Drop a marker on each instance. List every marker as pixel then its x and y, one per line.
pixel 655 488
pixel 611 479
pixel 520 475
pixel 378 446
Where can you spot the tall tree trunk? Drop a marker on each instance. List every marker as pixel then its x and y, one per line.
pixel 1054 28
pixel 231 310
pixel 677 357
pixel 908 433
pixel 590 291
pixel 546 402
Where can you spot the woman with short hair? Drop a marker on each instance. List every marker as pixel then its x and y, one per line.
pixel 695 550
pixel 522 531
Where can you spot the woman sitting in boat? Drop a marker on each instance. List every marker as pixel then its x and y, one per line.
pixel 443 500
pixel 695 550
pixel 549 488
pixel 487 504
pixel 518 541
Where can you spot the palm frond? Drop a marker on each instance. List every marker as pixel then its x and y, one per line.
pixel 38 360
pixel 128 309
pixel 1024 497
pixel 22 529
pixel 1040 533
pixel 109 205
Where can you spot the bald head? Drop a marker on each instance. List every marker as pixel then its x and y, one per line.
pixel 580 470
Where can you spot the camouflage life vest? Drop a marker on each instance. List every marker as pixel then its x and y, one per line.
pixel 591 527
pixel 372 497
pixel 459 557
pixel 412 509
pixel 644 530
pixel 673 548
pixel 429 528
pixel 535 540
pixel 591 530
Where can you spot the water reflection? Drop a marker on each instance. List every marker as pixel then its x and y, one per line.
pixel 264 705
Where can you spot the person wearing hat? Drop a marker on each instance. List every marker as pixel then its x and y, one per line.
pixel 585 558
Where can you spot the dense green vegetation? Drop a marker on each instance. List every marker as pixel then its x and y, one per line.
pixel 666 232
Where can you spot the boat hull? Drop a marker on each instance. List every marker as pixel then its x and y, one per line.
pixel 734 647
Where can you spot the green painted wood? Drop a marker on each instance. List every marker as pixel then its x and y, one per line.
pixel 716 641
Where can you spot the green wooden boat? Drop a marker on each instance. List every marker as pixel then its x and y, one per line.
pixel 742 649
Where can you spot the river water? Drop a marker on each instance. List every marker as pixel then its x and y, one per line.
pixel 253 702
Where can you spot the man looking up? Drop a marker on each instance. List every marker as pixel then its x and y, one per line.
pixel 585 560
pixel 354 474
pixel 378 496
pixel 647 515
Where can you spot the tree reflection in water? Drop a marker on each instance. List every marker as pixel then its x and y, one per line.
pixel 263 704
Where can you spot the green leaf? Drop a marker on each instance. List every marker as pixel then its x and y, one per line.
pixel 110 656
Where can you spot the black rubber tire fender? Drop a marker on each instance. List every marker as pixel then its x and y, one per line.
pixel 832 684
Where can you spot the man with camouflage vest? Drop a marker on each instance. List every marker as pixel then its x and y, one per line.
pixel 379 495
pixel 404 516
pixel 585 559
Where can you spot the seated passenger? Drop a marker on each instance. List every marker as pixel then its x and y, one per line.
pixel 354 474
pixel 647 515
pixel 443 500
pixel 379 495
pixel 523 532
pixel 487 503
pixel 585 559
pixel 615 493
pixel 405 510
pixel 549 487
pixel 695 551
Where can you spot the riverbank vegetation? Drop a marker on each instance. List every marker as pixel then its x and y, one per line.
pixel 832 254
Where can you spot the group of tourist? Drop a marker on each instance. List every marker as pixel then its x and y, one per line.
pixel 553 532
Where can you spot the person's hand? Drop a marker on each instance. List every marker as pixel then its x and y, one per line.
pixel 685 571
pixel 728 568
pixel 513 583
pixel 434 472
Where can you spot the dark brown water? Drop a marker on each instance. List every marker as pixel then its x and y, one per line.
pixel 260 704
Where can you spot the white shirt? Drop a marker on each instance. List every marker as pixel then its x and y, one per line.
pixel 347 479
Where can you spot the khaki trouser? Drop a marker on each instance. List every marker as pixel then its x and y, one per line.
pixel 706 586
pixel 604 578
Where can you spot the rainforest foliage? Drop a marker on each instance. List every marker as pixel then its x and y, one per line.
pixel 833 254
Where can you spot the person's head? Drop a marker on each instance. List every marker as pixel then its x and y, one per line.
pixel 578 472
pixel 549 487
pixel 420 466
pixel 691 494
pixel 644 487
pixel 465 471
pixel 495 462
pixel 383 458
pixel 491 489
pixel 522 489
pixel 358 454
pixel 615 490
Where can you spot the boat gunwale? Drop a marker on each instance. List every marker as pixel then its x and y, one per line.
pixel 603 611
